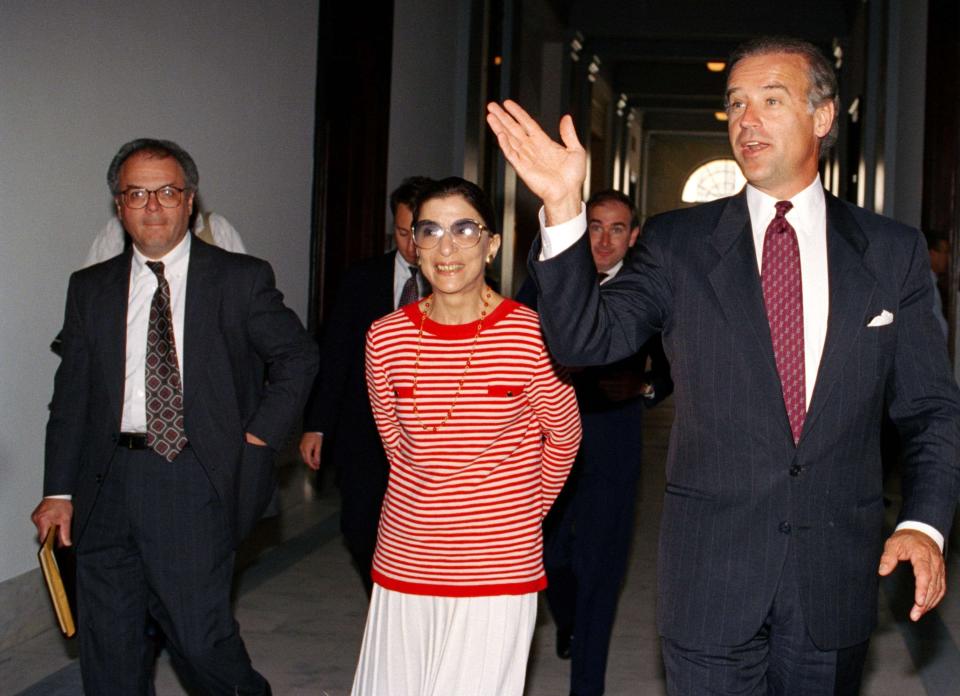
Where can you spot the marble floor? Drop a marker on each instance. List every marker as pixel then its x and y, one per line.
pixel 301 608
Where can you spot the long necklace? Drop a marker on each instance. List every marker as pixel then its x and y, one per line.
pixel 427 306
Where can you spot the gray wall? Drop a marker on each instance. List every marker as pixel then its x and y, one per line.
pixel 428 92
pixel 232 81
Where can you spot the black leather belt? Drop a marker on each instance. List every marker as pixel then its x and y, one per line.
pixel 134 441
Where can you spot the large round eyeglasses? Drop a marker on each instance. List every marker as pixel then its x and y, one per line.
pixel 167 197
pixel 463 233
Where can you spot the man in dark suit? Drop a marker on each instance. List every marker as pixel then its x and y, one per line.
pixel 587 533
pixel 182 374
pixel 789 317
pixel 338 411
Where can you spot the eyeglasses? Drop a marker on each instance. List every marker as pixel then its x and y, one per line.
pixel 167 197
pixel 463 233
pixel 614 230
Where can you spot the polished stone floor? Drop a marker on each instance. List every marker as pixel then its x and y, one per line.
pixel 301 608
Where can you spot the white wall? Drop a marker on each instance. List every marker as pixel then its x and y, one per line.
pixel 232 81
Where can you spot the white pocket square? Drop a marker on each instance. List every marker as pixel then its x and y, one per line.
pixel 882 319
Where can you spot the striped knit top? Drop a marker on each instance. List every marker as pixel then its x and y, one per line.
pixel 462 512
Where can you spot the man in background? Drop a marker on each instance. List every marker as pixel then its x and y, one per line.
pixel 588 531
pixel 338 411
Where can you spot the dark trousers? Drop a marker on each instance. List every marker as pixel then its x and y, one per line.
pixel 361 496
pixel 587 542
pixel 780 660
pixel 157 542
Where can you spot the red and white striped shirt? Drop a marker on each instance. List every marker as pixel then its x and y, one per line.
pixel 464 504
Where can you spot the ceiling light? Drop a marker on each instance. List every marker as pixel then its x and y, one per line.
pixel 720 115
pixel 716 65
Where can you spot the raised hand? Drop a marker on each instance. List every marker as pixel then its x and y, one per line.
pixel 554 172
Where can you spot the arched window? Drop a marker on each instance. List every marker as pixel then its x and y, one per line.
pixel 715 179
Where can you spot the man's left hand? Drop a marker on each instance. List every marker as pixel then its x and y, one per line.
pixel 928 567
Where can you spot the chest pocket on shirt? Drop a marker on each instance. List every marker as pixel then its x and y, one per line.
pixel 505 390
pixel 403 392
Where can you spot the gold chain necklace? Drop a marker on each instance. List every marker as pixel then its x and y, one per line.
pixel 427 306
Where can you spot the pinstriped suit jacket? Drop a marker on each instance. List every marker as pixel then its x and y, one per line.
pixel 743 504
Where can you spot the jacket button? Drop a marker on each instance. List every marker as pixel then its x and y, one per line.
pixel 795 470
pixel 785 528
pixel 99 478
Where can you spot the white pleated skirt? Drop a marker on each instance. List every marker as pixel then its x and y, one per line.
pixel 416 645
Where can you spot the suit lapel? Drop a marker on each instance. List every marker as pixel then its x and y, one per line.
pixel 200 318
pixel 111 330
pixel 736 282
pixel 852 287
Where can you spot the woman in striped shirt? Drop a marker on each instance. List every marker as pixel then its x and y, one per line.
pixel 480 430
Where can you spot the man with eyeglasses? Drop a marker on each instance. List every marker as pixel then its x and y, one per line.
pixel 588 531
pixel 182 374
pixel 338 411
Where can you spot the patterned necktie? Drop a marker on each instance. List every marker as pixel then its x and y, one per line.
pixel 411 290
pixel 165 433
pixel 783 297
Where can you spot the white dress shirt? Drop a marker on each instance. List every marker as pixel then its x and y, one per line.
pixel 143 283
pixel 401 274
pixel 809 218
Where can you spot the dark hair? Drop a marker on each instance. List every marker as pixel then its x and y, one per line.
pixel 935 238
pixel 469 191
pixel 614 196
pixel 820 74
pixel 407 192
pixel 154 148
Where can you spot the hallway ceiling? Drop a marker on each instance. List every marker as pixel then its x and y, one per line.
pixel 654 51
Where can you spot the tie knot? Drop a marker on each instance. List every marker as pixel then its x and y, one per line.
pixel 601 276
pixel 783 207
pixel 413 271
pixel 156 267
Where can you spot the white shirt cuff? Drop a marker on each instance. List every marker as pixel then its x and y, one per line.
pixel 62 496
pixel 922 527
pixel 558 238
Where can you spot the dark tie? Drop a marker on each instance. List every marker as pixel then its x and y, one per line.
pixel 165 433
pixel 411 291
pixel 783 297
pixel 601 276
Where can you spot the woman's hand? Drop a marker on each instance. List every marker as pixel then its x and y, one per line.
pixel 554 172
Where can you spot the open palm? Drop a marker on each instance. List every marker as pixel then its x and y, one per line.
pixel 554 172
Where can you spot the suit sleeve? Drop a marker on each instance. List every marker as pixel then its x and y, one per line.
pixel 554 402
pixel 68 410
pixel 924 403
pixel 659 374
pixel 288 352
pixel 586 324
pixel 339 339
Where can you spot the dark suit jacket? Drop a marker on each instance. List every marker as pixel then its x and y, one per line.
pixel 247 366
pixel 339 406
pixel 743 504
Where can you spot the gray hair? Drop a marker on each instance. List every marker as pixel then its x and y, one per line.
pixel 820 74
pixel 156 148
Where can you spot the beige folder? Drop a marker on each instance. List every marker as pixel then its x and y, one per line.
pixel 51 574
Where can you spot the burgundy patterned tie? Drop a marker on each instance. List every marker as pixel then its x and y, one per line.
pixel 411 290
pixel 165 433
pixel 783 297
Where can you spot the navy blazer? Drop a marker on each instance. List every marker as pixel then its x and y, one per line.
pixel 247 367
pixel 743 504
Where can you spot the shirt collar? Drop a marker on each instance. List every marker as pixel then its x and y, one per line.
pixel 809 206
pixel 401 265
pixel 174 261
pixel 612 273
